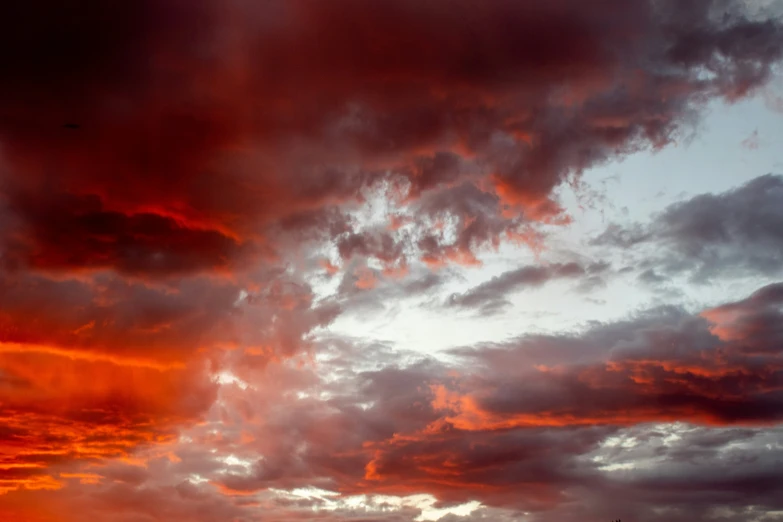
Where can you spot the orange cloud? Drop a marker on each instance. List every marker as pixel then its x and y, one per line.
pixel 58 412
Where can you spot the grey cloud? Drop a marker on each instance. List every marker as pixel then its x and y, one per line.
pixel 734 233
pixel 490 297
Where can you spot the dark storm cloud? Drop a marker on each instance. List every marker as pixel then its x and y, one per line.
pixel 201 124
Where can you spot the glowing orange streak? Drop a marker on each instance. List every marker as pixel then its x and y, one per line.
pixel 84 478
pixel 22 465
pixel 43 482
pixel 90 356
pixel 225 490
pixel 185 221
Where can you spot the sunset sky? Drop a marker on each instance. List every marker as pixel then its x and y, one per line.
pixel 391 260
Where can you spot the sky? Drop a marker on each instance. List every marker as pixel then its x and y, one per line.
pixel 391 261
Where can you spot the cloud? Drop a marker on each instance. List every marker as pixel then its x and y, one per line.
pixel 530 425
pixel 733 233
pixel 58 412
pixel 632 417
pixel 663 366
pixel 156 259
pixel 182 161
pixel 753 324
pixel 752 142
pixel 98 369
pixel 489 297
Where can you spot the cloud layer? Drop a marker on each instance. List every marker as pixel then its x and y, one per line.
pixel 181 182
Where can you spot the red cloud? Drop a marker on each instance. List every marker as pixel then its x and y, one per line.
pixel 166 167
pixel 58 411
pixel 200 126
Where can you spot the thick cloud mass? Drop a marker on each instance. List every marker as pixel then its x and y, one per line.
pixel 182 181
pixel 563 426
pixel 200 124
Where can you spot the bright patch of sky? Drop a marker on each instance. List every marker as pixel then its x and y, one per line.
pixel 733 144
